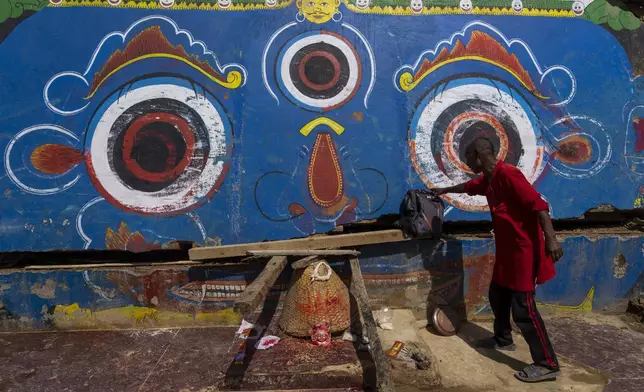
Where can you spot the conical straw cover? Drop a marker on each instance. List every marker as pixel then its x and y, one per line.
pixel 317 295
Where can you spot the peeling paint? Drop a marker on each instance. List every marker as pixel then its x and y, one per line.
pixel 46 290
pixel 73 316
pixel 619 266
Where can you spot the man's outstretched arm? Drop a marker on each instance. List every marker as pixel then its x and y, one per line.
pixel 460 188
pixel 553 248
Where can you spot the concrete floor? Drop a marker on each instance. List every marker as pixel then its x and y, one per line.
pixel 462 367
pixel 594 351
pixel 597 352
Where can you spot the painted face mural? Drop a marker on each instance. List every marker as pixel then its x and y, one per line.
pixel 466 6
pixel 362 4
pixel 578 8
pixel 517 6
pixel 162 123
pixel 318 11
pixel 224 4
pixel 416 6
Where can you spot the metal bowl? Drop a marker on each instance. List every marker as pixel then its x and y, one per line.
pixel 446 321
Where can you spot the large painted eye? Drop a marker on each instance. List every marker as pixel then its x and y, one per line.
pixel 447 121
pixel 160 145
pixel 319 71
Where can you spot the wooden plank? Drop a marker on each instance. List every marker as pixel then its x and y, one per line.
pixel 317 242
pixel 255 292
pixel 306 252
pixel 112 265
pixel 305 262
pixel 369 328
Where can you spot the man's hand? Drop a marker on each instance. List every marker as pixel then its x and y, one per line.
pixel 439 191
pixel 553 249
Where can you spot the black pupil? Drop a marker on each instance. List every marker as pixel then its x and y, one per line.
pixel 319 70
pixel 158 147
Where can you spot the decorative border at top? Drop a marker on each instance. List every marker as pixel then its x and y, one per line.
pixel 204 5
pixel 596 11
pixel 399 10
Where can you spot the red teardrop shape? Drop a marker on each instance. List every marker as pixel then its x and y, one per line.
pixel 325 175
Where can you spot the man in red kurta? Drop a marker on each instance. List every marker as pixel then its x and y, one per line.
pixel 525 249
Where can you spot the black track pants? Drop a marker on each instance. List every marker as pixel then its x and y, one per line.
pixel 527 318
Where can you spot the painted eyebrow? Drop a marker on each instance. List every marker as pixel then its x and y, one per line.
pixel 151 43
pixel 480 47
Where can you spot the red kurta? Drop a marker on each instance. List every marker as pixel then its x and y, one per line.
pixel 520 246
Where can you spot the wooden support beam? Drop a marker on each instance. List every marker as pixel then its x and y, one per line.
pixel 306 252
pixel 255 292
pixel 369 328
pixel 316 242
pixel 113 265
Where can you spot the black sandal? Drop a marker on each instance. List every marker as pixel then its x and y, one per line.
pixel 535 373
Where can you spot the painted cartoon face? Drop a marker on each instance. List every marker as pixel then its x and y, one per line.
pixel 578 8
pixel 224 3
pixel 362 4
pixel 466 5
pixel 318 11
pixel 164 3
pixel 517 6
pixel 270 3
pixel 416 6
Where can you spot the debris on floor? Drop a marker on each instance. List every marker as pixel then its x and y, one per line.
pixel 412 352
pixel 405 372
pixel 350 337
pixel 395 349
pixel 241 353
pixel 267 342
pixel 422 362
pixel 383 319
pixel 249 330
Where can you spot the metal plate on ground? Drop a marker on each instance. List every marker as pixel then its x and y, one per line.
pixel 446 321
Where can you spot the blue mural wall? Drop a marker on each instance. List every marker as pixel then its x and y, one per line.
pixel 594 274
pixel 129 124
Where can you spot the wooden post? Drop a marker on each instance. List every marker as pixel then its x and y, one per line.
pixel 369 328
pixel 255 292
